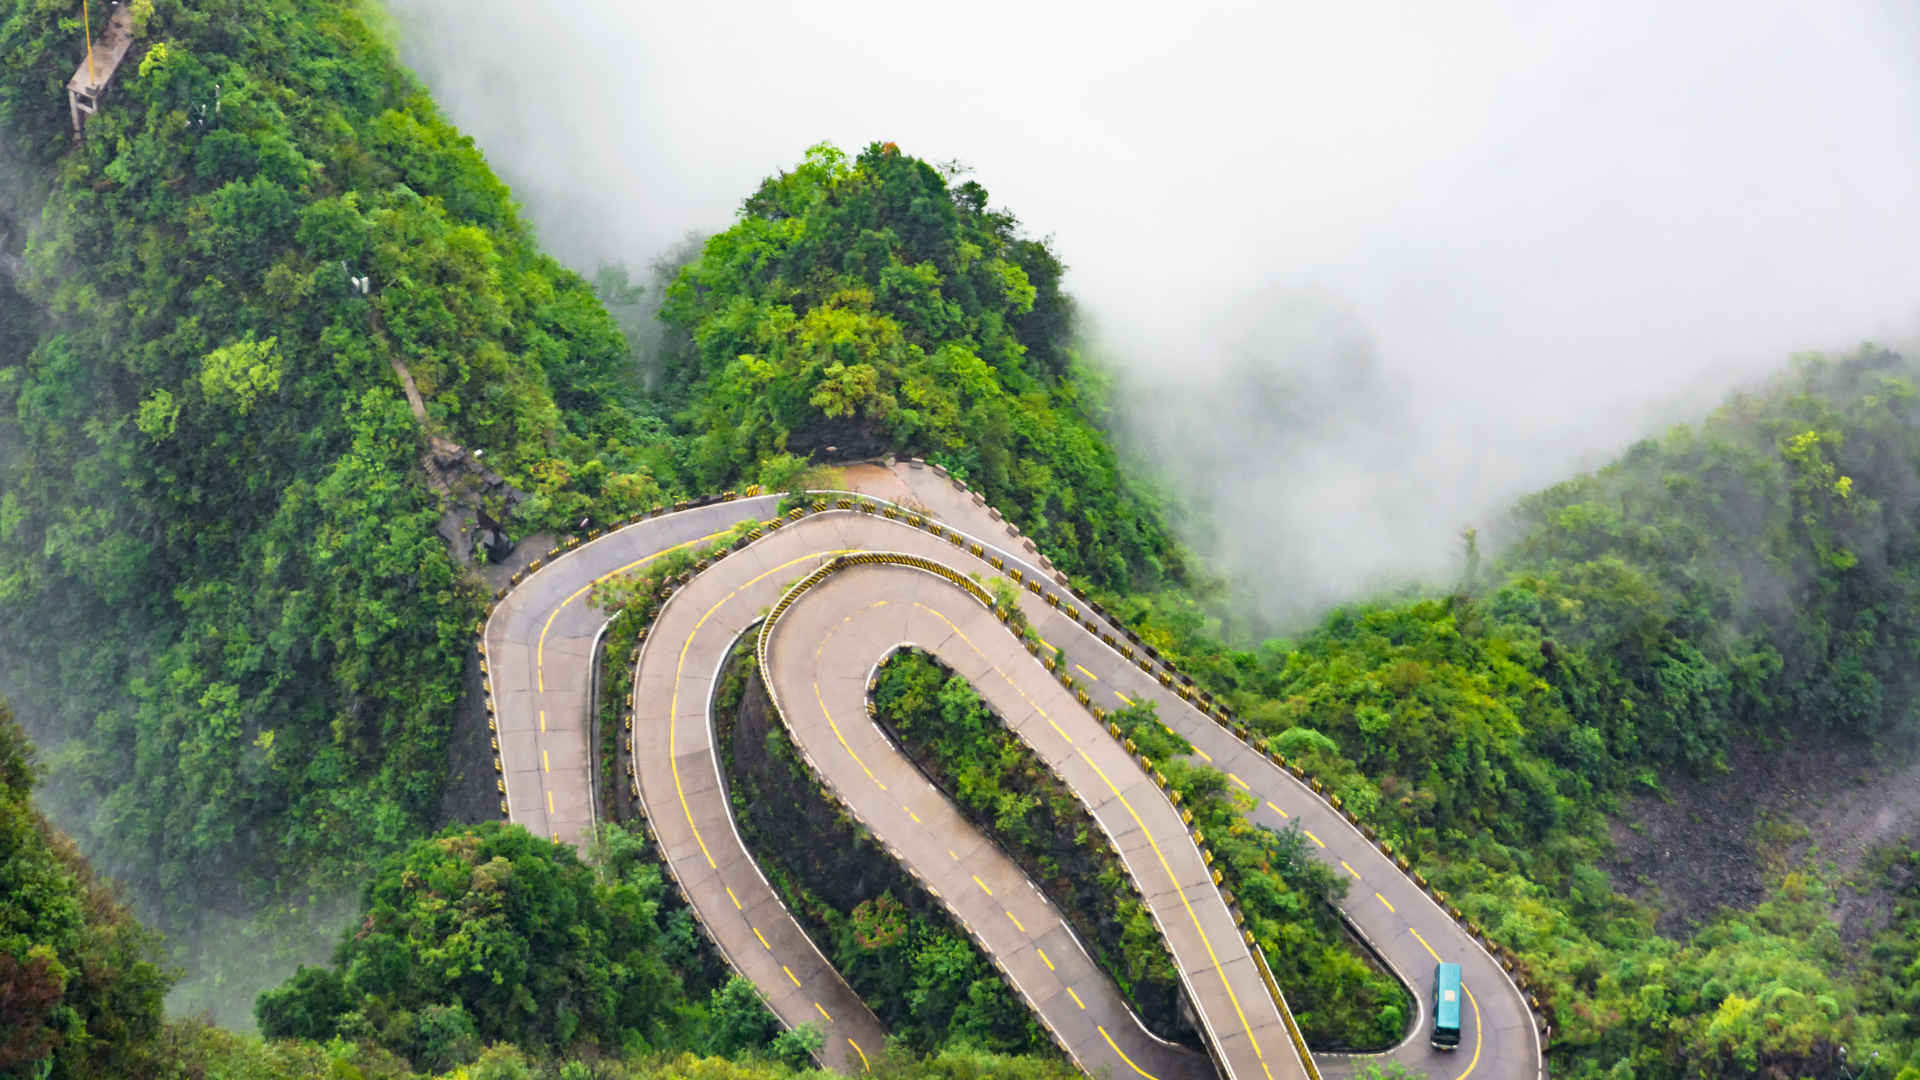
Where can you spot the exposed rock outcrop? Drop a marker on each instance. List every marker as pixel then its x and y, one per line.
pixel 470 495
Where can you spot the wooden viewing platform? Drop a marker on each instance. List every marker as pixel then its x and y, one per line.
pixel 91 78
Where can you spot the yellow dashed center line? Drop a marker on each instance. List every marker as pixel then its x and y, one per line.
pixel 1124 698
pixel 1383 900
pixel 982 884
pixel 1476 1034
pixel 1350 870
pixel 763 939
pixel 955 855
pixel 1204 756
pixel 1317 842
pixel 864 1064
pixel 1043 957
pixel 679 671
pixel 834 724
pixel 1123 1054
pixel 540 647
pixel 1087 673
pixel 550 808
pixel 914 816
pixel 791 977
pixel 1194 918
pixel 543 721
pixel 735 899
pixel 823 1012
pixel 1243 784
pixel 1423 944
pixel 1076 998
pixel 546 763
pixel 1016 922
pixel 1276 809
pixel 824 711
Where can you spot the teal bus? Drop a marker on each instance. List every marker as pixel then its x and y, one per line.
pixel 1446 1006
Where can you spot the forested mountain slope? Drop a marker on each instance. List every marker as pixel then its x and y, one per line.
pixel 1752 578
pixel 1776 546
pixel 224 606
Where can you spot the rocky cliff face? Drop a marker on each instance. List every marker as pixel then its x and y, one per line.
pixel 473 499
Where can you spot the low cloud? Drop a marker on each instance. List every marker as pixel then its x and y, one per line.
pixel 1366 271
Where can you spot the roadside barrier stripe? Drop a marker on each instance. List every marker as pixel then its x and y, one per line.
pixel 1201 701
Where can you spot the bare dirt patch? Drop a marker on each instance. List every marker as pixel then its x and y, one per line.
pixel 1717 844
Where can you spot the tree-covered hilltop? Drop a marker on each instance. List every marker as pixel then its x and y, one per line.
pixel 867 306
pixel 489 934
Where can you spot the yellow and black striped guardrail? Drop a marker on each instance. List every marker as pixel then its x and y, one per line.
pixel 1127 643
pixel 835 565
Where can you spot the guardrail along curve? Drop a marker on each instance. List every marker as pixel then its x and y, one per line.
pixel 1121 665
pixel 1170 868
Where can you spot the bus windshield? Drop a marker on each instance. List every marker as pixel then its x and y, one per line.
pixel 1446 1006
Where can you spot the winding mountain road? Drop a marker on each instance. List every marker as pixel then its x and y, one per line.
pixel 819 650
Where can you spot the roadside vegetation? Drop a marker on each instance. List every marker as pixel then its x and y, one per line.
pixel 1341 997
pixel 944 727
pixel 895 944
pixel 1343 1001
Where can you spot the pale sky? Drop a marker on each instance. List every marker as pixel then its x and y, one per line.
pixel 1554 227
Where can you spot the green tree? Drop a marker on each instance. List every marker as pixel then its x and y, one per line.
pixel 238 375
pixel 739 1020
pixel 80 982
pixel 487 933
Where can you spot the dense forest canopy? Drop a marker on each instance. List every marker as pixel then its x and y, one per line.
pixel 489 934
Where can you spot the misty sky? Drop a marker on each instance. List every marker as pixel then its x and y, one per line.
pixel 1459 250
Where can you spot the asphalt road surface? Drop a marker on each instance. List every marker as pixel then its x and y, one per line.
pixel 539 642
